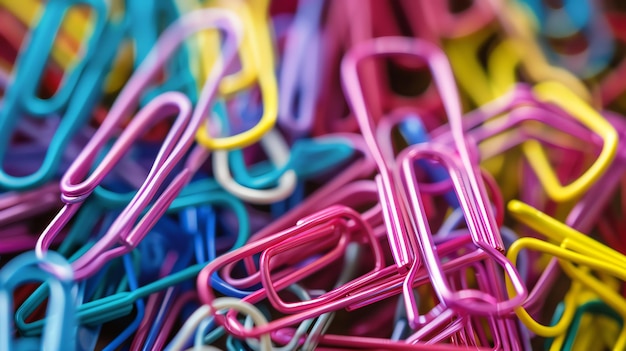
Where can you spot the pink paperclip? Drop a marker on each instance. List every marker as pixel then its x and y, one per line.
pixel 19 237
pixel 353 194
pixel 386 284
pixel 177 142
pixel 444 80
pixel 341 189
pixel 334 226
pixel 469 300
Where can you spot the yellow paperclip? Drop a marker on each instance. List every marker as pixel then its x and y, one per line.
pixel 464 59
pixel 581 296
pixel 574 247
pixel 518 24
pixel 208 42
pixel 565 257
pixel 564 98
pixel 611 297
pixel 258 40
pixel 558 232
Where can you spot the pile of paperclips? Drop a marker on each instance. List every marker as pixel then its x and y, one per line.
pixel 310 174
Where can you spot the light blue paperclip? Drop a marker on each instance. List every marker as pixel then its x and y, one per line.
pixel 60 330
pixel 75 111
pixel 31 61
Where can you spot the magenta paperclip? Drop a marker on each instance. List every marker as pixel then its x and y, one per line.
pixel 177 142
pixel 444 80
pixel 355 195
pixel 469 300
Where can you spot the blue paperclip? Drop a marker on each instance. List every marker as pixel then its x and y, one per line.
pixel 79 108
pixel 280 208
pixel 60 331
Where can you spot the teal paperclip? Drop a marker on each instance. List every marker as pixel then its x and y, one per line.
pixel 144 28
pixel 84 85
pixel 59 332
pixel 31 61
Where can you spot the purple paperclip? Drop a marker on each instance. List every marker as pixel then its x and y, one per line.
pixel 444 79
pixel 177 142
pixel 299 77
pixel 470 301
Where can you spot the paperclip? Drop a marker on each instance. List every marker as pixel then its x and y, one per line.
pixel 134 325
pixel 17 206
pixel 334 189
pixel 120 304
pixel 75 25
pixel 593 255
pixel 256 29
pixel 59 332
pixel 595 307
pixel 278 152
pixel 221 303
pixel 564 21
pixel 356 195
pixel 522 39
pixel 299 87
pixel 413 130
pixel 581 17
pixel 444 81
pixel 473 301
pixel 338 36
pixel 550 95
pixel 30 61
pixel 176 144
pixel 75 112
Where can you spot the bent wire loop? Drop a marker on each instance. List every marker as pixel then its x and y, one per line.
pixel 572 247
pixel 83 84
pixel 558 102
pixel 444 81
pixel 472 301
pixel 60 331
pixel 256 42
pixel 119 304
pixel 176 144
